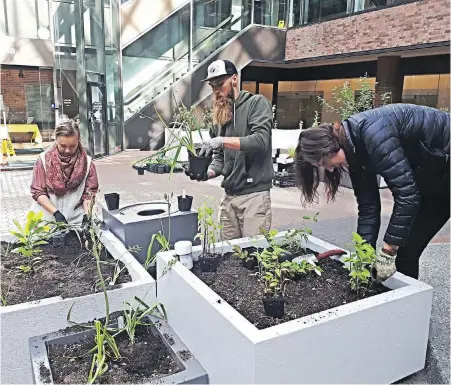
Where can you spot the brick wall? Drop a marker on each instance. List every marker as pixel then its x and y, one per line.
pixel 30 95
pixel 425 21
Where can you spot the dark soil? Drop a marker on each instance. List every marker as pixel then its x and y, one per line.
pixel 146 361
pixel 44 373
pixel 66 271
pixel 311 294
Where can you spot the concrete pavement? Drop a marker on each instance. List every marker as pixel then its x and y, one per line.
pixel 336 222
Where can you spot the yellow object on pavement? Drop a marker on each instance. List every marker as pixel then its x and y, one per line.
pixel 26 128
pixel 7 147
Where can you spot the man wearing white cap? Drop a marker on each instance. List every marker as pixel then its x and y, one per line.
pixel 242 153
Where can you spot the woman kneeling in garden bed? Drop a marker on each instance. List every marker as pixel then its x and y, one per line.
pixel 64 178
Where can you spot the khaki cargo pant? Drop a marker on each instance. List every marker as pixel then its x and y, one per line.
pixel 243 215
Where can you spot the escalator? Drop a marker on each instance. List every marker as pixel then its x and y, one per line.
pixel 165 65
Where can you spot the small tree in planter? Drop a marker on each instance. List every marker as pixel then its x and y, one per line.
pixel 210 232
pixel 346 103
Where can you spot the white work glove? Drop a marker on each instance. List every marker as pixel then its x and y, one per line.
pixel 385 266
pixel 212 144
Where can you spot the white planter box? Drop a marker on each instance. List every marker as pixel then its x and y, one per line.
pixel 21 321
pixel 183 156
pixel 379 339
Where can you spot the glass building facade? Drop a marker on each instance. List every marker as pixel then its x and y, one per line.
pixel 85 80
pixel 297 101
pixel 88 70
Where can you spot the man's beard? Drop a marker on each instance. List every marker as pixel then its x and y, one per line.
pixel 223 108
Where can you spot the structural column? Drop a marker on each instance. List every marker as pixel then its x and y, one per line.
pixel 389 80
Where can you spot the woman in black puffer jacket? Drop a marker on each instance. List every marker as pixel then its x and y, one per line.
pixel 408 145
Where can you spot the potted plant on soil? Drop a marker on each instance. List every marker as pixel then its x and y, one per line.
pixel 133 340
pixel 209 233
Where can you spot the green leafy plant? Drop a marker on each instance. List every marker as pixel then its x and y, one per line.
pixel 296 239
pixel 291 153
pixel 35 233
pixel 134 316
pixel 316 120
pixel 359 263
pixel 105 343
pixel 184 122
pixel 345 103
pixel 273 274
pixel 164 246
pixel 164 242
pixel 105 346
pixel 238 252
pixel 209 230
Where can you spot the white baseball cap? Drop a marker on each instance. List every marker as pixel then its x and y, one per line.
pixel 220 68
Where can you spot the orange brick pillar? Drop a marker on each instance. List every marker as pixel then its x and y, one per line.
pixel 389 80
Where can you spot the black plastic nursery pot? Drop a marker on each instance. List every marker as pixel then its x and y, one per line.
pixel 250 264
pixel 209 263
pixel 167 168
pixel 198 166
pixel 141 171
pixel 185 203
pixel 286 256
pixel 274 306
pixel 112 201
pixel 161 168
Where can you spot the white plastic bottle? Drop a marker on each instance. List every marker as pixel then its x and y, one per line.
pixel 184 250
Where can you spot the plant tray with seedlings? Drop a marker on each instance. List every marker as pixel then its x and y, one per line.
pixel 148 352
pixel 47 276
pixel 284 179
pixel 335 320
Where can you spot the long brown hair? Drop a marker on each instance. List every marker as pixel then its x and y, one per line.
pixel 315 144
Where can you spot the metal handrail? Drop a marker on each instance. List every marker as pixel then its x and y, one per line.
pixel 169 73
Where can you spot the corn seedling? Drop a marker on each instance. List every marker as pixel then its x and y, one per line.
pixel 134 316
pixel 105 344
pixel 164 242
pixel 103 341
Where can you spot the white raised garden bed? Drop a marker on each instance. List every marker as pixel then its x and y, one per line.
pixel 379 339
pixel 21 321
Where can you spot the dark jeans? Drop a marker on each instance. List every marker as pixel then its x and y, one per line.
pixel 433 214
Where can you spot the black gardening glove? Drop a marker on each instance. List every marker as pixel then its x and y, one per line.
pixel 197 177
pixel 85 225
pixel 59 217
